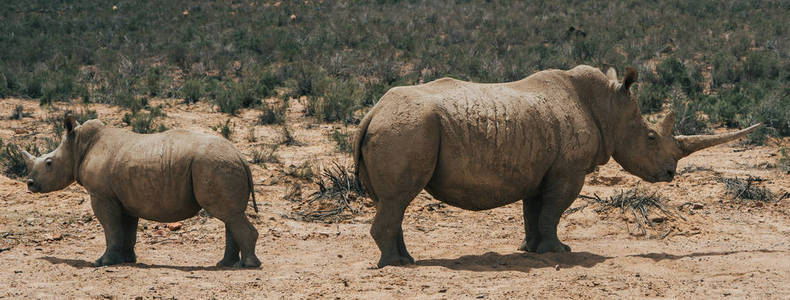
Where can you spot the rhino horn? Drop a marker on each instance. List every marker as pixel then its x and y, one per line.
pixel 29 158
pixel 693 143
pixel 667 123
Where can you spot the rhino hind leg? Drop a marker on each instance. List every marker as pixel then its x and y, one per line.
pixel 558 194
pixel 244 234
pixel 387 231
pixel 231 257
pixel 532 238
pixel 225 197
pixel 397 166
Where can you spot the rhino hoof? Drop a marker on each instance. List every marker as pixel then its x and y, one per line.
pixel 109 259
pixel 228 262
pixel 395 261
pixel 250 262
pixel 530 245
pixel 554 246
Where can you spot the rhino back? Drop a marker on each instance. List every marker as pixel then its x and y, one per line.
pixel 499 140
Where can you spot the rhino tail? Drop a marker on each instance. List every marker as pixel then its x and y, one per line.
pixel 251 184
pixel 359 162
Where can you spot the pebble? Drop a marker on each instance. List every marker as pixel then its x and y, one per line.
pixel 557 267
pixel 174 226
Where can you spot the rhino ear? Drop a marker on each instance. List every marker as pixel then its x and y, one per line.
pixel 612 74
pixel 630 77
pixel 69 123
pixel 667 123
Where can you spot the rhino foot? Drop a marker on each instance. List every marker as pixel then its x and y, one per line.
pixel 552 246
pixel 530 245
pixel 112 258
pixel 226 262
pixel 250 262
pixel 395 261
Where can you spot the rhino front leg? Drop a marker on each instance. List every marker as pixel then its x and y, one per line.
pixel 108 212
pixel 532 234
pixel 558 194
pixel 129 224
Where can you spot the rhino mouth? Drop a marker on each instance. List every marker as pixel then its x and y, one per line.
pixel 665 176
pixel 33 187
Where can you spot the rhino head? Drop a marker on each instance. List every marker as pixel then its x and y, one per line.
pixel 651 152
pixel 55 170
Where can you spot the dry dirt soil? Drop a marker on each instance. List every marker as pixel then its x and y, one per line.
pixel 723 248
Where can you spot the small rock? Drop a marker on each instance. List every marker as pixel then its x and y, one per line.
pixel 697 206
pixel 160 232
pixel 557 267
pixel 174 226
pixel 18 272
pixel 56 237
pixel 20 131
pixel 138 298
pixel 443 291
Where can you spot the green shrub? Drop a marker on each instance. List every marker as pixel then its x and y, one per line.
pixel 13 161
pixel 267 155
pixel 687 115
pixel 273 114
pixel 342 138
pixel 227 101
pixel 784 160
pixel 18 113
pixel 340 100
pixel 226 130
pixel 651 97
pixel 191 90
pixel 153 81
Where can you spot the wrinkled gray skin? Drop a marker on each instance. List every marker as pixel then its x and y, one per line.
pixel 164 177
pixel 481 146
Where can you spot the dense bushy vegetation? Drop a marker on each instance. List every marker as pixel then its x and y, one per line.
pixel 726 59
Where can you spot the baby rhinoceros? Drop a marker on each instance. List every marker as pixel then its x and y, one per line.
pixel 480 146
pixel 164 177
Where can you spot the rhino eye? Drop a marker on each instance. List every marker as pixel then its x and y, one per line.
pixel 651 136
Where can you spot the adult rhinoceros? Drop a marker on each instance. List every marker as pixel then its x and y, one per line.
pixel 480 146
pixel 164 177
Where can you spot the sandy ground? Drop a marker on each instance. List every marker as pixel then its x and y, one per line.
pixel 724 248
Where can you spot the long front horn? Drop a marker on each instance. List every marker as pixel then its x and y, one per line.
pixel 693 143
pixel 29 158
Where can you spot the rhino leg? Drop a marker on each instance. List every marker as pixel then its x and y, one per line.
pixel 397 166
pixel 225 197
pixel 558 194
pixel 532 234
pixel 108 212
pixel 388 234
pixel 231 250
pixel 129 224
pixel 245 236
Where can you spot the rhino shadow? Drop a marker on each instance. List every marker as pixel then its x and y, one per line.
pixel 81 264
pixel 666 256
pixel 522 262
